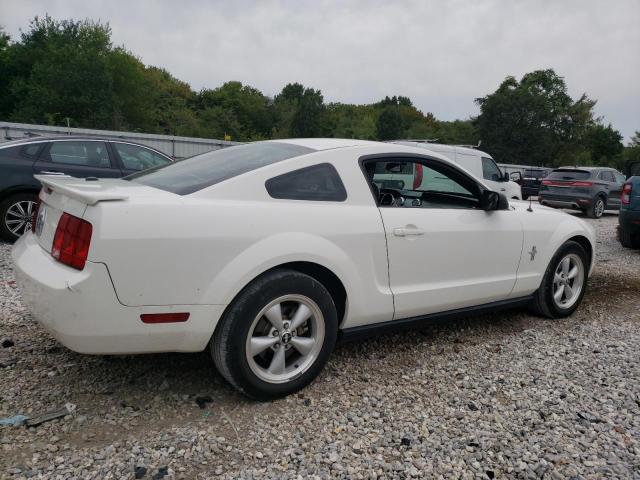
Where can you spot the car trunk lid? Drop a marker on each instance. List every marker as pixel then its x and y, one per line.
pixel 73 195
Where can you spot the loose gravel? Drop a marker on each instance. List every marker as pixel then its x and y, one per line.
pixel 507 395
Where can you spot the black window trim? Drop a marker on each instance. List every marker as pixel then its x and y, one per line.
pixel 321 197
pixel 476 187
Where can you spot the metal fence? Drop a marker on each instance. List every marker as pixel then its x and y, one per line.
pixel 176 147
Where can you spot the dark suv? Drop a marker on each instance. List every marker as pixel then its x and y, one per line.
pixel 531 181
pixel 75 156
pixel 590 189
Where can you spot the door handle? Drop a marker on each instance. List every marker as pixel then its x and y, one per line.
pixel 47 172
pixel 405 232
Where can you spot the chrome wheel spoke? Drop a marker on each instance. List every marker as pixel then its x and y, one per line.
pixel 566 262
pixel 260 344
pixel 304 345
pixel 20 208
pixel 558 294
pixel 274 315
pixel 573 272
pixel 568 292
pixel 277 364
pixel 302 315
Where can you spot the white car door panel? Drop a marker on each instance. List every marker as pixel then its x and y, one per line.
pixel 442 259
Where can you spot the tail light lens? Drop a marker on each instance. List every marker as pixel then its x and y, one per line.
pixel 567 184
pixel 71 241
pixel 34 215
pixel 625 198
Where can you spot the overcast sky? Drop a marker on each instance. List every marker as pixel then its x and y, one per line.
pixel 441 54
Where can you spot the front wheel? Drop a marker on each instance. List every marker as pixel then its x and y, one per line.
pixel 564 283
pixel 276 336
pixel 628 240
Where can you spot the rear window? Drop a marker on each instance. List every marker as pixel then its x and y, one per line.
pixel 561 174
pixel 535 173
pixel 202 171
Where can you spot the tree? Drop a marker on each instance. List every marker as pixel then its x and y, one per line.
pixel 533 121
pixel 389 125
pixel 60 70
pixel 635 140
pixel 605 144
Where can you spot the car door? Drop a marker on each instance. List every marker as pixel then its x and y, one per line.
pixel 77 158
pixel 444 251
pixel 134 158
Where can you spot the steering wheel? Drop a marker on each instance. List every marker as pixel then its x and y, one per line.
pixel 390 198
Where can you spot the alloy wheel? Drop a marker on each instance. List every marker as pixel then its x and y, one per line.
pixel 599 208
pixel 18 217
pixel 285 338
pixel 568 281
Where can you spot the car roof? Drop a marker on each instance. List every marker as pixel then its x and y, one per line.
pixel 38 139
pixel 443 147
pixel 586 169
pixel 326 143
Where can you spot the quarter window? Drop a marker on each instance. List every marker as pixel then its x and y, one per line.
pixel 606 176
pixel 87 154
pixel 138 158
pixel 318 182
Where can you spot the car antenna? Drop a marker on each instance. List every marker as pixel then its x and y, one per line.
pixel 529 209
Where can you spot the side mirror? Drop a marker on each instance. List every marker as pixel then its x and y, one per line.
pixel 494 201
pixel 505 177
pixel 515 177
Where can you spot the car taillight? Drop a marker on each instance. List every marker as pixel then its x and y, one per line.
pixel 567 184
pixel 625 198
pixel 71 241
pixel 34 215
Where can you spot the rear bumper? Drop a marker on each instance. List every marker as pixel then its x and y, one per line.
pixel 80 308
pixel 564 202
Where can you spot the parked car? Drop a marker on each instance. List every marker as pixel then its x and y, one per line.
pixel 590 189
pixel 531 181
pixel 266 253
pixel 479 163
pixel 75 156
pixel 629 219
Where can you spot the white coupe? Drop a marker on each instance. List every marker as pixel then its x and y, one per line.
pixel 267 253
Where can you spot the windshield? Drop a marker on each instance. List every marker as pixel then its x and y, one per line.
pixel 195 173
pixel 565 174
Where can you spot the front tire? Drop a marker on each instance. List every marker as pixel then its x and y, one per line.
pixel 564 283
pixel 276 336
pixel 16 215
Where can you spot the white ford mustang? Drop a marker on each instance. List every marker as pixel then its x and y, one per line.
pixel 267 253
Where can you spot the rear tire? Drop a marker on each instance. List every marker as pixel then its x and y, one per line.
pixel 597 208
pixel 628 240
pixel 15 215
pixel 562 290
pixel 263 347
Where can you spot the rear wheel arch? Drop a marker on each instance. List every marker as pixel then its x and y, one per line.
pixel 320 273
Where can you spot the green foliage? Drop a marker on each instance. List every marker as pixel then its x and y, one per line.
pixel 536 122
pixel 70 69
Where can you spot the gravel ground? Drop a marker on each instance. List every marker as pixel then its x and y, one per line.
pixel 497 396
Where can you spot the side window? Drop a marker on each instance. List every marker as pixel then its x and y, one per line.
pixel 10 152
pixel 138 158
pixel 32 150
pixel 490 170
pixel 606 176
pixel 87 154
pixel 318 182
pixel 620 178
pixel 414 184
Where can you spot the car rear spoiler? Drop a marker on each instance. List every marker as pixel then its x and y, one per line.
pixel 87 191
